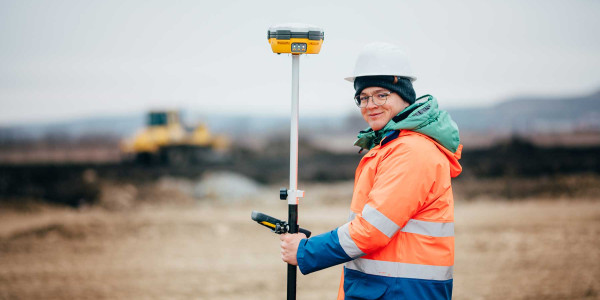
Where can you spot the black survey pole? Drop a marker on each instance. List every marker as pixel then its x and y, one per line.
pixel 291 276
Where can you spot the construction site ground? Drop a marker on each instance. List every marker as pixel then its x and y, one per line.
pixel 534 249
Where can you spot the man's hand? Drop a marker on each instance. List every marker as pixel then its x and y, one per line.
pixel 289 247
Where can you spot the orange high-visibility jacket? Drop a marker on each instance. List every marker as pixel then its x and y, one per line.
pixel 399 242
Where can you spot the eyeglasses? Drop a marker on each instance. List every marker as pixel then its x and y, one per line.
pixel 379 99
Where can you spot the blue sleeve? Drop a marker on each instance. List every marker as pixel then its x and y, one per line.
pixel 320 252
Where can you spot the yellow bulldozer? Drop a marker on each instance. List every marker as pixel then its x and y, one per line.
pixel 166 140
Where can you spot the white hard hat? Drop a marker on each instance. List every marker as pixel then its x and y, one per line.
pixel 382 59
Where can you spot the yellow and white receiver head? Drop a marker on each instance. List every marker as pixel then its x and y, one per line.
pixel 295 38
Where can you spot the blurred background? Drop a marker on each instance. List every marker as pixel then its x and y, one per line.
pixel 137 136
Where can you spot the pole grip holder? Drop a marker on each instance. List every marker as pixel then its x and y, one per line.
pixel 276 225
pixel 284 193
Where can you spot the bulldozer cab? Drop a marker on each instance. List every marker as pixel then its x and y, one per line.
pixel 163 118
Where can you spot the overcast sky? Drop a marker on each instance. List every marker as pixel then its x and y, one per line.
pixel 69 59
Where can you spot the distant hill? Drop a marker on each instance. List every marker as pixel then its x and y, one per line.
pixel 519 115
pixel 117 126
pixel 532 114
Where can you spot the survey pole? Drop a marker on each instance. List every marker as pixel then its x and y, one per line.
pixel 294 39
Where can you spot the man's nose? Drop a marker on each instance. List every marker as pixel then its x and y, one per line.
pixel 371 103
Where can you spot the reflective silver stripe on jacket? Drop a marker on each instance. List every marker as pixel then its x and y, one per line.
pixel 347 243
pixel 389 228
pixel 380 221
pixel 429 228
pixel 404 270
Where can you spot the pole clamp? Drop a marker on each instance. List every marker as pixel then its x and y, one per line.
pixel 285 193
pixel 296 193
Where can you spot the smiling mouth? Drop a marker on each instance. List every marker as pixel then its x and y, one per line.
pixel 375 115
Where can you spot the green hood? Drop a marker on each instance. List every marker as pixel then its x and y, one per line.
pixel 424 117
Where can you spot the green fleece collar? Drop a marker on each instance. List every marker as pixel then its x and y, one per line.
pixel 424 117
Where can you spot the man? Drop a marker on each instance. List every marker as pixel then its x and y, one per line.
pixel 399 241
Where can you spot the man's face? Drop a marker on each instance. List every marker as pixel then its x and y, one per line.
pixel 378 116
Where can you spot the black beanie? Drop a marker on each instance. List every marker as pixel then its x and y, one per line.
pixel 399 85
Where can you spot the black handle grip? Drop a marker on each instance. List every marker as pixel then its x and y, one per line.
pixel 260 217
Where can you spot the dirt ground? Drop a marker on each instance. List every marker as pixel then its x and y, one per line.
pixel 542 249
